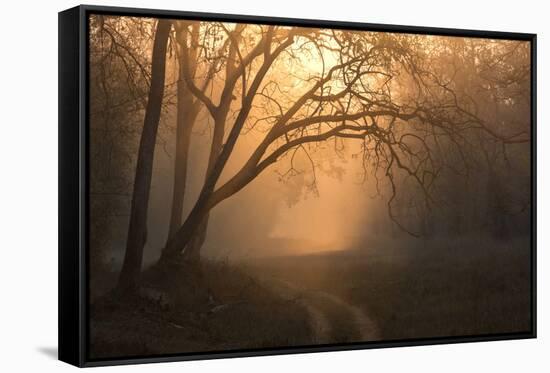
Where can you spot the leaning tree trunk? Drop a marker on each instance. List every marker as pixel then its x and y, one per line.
pixel 137 231
pixel 187 233
pixel 218 159
pixel 193 248
pixel 191 254
pixel 192 251
pixel 196 224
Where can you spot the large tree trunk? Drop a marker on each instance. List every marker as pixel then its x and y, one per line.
pixel 198 217
pixel 137 232
pixel 197 239
pixel 192 250
pixel 218 159
pixel 187 233
pixel 195 243
pixel 191 235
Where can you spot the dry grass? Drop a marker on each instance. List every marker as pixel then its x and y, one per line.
pixel 179 310
pixel 466 286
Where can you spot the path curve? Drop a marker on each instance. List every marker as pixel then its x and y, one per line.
pixel 315 303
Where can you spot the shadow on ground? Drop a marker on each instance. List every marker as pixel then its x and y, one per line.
pixel 50 352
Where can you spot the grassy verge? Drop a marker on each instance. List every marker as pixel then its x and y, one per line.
pixel 178 310
pixel 466 286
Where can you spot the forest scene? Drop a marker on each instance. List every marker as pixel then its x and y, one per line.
pixel 260 186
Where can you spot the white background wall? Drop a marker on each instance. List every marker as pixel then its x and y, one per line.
pixel 28 184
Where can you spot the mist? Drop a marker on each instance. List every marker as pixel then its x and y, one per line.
pixel 365 185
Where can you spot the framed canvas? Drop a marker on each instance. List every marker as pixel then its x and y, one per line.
pixel 235 186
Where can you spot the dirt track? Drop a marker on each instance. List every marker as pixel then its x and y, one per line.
pixel 332 319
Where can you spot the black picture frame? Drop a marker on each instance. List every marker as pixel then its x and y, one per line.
pixel 74 186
